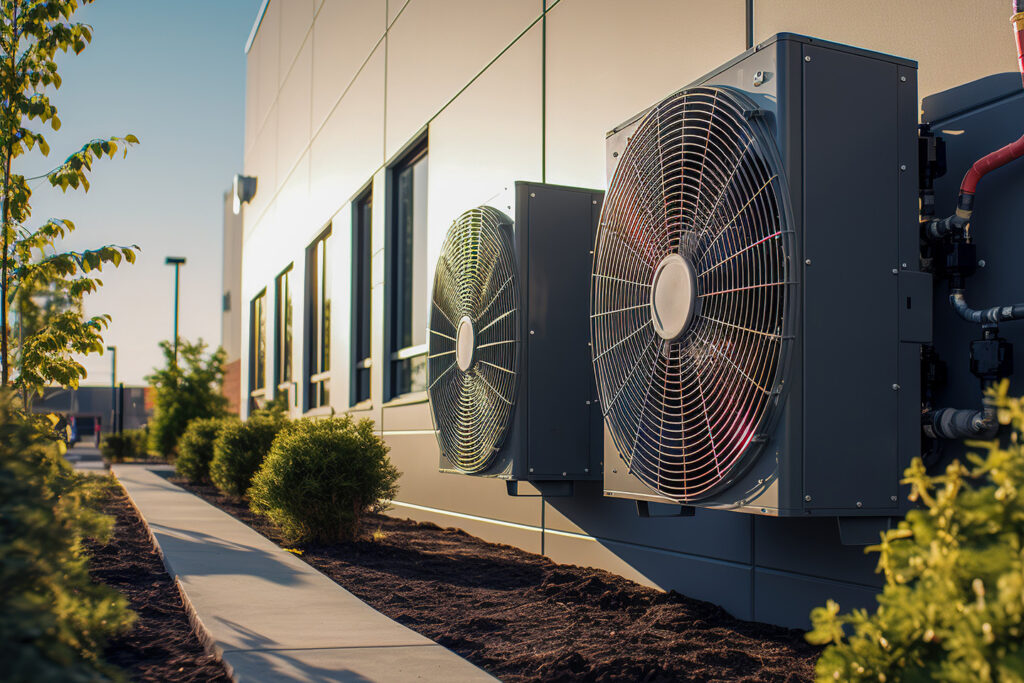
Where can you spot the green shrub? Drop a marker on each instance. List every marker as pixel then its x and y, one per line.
pixel 185 390
pixel 240 449
pixel 195 448
pixel 322 477
pixel 952 607
pixel 54 621
pixel 132 443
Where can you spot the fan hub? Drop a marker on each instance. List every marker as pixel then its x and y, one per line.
pixel 673 297
pixel 465 343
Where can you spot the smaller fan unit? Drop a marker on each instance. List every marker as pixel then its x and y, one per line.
pixel 757 306
pixel 511 389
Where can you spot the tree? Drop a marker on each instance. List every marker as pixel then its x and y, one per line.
pixel 952 607
pixel 186 390
pixel 32 33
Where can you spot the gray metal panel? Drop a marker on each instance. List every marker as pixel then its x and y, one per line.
pixel 915 306
pixel 787 599
pixel 811 546
pixel 850 319
pixel 713 533
pixel 554 231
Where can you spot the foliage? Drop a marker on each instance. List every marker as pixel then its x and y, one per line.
pixel 54 621
pixel 32 33
pixel 187 390
pixel 952 608
pixel 322 477
pixel 240 449
pixel 195 448
pixel 131 443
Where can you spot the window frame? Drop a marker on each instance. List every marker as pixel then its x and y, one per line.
pixel 394 354
pixel 361 329
pixel 257 366
pixel 284 324
pixel 317 368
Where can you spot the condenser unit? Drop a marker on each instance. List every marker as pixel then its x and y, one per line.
pixel 756 307
pixel 511 388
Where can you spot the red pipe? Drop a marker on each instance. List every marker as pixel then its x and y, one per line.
pixel 990 162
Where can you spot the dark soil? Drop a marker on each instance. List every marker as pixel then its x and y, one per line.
pixel 162 645
pixel 521 617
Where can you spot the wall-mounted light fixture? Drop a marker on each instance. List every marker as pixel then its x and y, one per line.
pixel 244 191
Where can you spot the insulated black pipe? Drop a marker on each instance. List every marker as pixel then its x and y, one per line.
pixel 995 314
pixel 950 423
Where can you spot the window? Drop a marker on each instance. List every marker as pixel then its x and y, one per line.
pixel 318 319
pixel 361 297
pixel 257 350
pixel 408 276
pixel 283 331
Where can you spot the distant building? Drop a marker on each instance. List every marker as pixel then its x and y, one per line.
pixel 92 406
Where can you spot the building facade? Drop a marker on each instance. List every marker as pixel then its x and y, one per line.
pixel 372 124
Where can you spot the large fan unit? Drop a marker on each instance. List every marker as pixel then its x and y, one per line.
pixel 756 310
pixel 511 390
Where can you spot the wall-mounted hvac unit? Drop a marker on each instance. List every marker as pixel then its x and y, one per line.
pixel 756 309
pixel 511 388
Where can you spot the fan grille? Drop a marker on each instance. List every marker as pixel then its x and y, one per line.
pixel 473 360
pixel 698 180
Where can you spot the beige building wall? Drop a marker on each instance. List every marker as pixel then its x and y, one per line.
pixel 512 90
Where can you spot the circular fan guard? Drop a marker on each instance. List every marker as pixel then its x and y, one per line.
pixel 699 180
pixel 473 359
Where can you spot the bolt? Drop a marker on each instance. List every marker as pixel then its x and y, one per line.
pixel 807 58
pixel 615 154
pixel 895 387
pixel 615 471
pixel 531 469
pixel 893 498
pixel 593 201
pixel 807 499
pixel 533 194
pixel 588 403
pixel 895 271
pixel 903 167
pixel 563 474
pixel 531 331
pixel 860 504
pixel 981 263
pixel 586 470
pixel 903 265
pixel 903 79
pixel 807 261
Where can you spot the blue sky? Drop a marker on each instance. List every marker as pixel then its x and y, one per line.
pixel 172 73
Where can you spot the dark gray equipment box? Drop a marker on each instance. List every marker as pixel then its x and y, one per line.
pixel 845 125
pixel 556 435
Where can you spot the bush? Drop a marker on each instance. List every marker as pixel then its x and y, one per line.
pixel 240 449
pixel 195 448
pixel 952 607
pixel 54 621
pixel 132 443
pixel 185 391
pixel 322 477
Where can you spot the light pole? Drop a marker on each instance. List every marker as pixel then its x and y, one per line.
pixel 177 262
pixel 113 388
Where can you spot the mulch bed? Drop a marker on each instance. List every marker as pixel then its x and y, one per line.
pixel 521 617
pixel 162 645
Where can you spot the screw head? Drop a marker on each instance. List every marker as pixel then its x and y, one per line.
pixel 807 261
pixel 860 504
pixel 903 79
pixel 903 265
pixel 531 469
pixel 563 474
pixel 903 167
pixel 531 331
pixel 533 194
pixel 981 263
pixel 895 387
pixel 588 403
pixel 893 498
pixel 593 201
pixel 807 58
pixel 895 271
pixel 615 154
pixel 807 499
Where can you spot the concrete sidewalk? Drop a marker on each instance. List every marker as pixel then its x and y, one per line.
pixel 86 459
pixel 269 615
